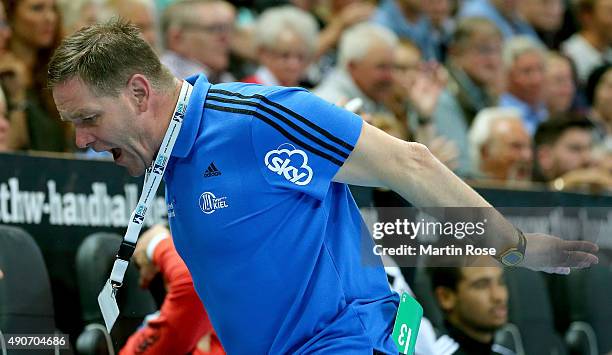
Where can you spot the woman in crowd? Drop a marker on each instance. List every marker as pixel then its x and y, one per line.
pixel 560 87
pixel 12 72
pixel 286 42
pixel 35 26
pixel 599 94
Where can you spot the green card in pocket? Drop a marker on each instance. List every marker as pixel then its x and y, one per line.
pixel 407 321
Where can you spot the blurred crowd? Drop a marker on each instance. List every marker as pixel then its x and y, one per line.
pixel 511 91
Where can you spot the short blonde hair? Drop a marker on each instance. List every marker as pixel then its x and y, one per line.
pixel 105 56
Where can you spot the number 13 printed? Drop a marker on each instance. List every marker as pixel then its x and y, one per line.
pixel 405 343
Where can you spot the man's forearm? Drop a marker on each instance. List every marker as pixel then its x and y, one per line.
pixel 426 182
pixel 410 170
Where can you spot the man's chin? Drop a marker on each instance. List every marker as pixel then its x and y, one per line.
pixel 133 170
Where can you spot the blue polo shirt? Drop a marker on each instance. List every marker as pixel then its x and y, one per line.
pixel 274 246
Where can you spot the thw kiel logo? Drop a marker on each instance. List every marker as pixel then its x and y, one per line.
pixel 289 163
pixel 209 203
pixel 212 171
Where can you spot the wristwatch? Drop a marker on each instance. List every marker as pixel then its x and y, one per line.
pixel 515 255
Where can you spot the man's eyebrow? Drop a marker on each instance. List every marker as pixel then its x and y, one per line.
pixel 480 279
pixel 67 117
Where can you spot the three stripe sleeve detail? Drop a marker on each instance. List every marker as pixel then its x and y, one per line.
pixel 295 122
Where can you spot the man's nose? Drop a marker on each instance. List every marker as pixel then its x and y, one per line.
pixel 499 293
pixel 83 138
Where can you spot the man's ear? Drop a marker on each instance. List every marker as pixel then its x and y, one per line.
pixel 139 91
pixel 447 298
pixel 351 67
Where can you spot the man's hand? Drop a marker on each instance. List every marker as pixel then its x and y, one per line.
pixel 557 256
pixel 593 179
pixel 354 13
pixel 147 268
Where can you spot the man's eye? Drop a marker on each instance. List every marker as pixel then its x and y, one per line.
pixel 89 118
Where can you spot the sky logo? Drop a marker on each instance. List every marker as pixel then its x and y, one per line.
pixel 292 164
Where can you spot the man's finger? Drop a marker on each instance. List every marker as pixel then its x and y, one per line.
pixel 580 245
pixel 556 270
pixel 579 259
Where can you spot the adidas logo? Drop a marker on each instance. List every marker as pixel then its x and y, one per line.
pixel 212 171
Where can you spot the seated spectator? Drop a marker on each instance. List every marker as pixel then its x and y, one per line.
pixel 475 70
pixel 546 18
pixel 139 12
pixel 407 20
pixel 197 37
pixel 416 91
pixel 366 71
pixel 365 68
pixel 182 325
pixel 599 95
pixel 503 13
pixel 592 46
pixel 474 301
pixel 524 60
pixel 562 144
pixel 36 32
pixel 500 146
pixel 559 85
pixel 414 82
pixel 286 41
pixel 4 124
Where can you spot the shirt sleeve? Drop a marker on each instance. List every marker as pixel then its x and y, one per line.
pixel 300 141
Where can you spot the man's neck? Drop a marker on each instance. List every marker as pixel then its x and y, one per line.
pixel 532 102
pixel 165 110
pixel 484 337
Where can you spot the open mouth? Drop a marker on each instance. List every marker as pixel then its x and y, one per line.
pixel 116 153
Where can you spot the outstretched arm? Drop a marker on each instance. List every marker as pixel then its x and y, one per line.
pixel 410 170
